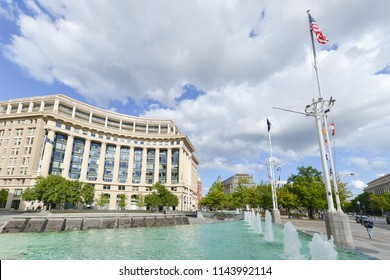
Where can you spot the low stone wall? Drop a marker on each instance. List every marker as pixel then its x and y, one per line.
pixel 56 224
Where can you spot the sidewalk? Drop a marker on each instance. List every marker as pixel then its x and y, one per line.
pixel 378 247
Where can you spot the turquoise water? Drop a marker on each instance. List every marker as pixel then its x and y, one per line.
pixel 219 241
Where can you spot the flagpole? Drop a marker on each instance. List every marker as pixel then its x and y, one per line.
pixel 334 179
pixel 314 57
pixel 317 106
pixel 271 169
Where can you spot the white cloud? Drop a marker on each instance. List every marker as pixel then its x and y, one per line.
pixel 130 51
pixel 357 184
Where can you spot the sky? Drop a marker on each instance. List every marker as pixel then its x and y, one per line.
pixel 217 69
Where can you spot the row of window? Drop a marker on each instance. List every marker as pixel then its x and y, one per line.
pixel 95 150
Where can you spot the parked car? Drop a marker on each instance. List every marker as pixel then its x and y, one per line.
pixel 360 219
pixel 388 219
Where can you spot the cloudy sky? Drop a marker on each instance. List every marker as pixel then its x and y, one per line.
pixel 217 69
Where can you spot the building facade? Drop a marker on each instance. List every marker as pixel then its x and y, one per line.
pixel 233 182
pixel 379 186
pixel 116 153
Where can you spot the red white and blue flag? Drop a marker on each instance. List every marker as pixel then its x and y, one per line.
pixel 321 38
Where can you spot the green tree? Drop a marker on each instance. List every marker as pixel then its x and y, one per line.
pixel 161 197
pixel 87 193
pixel 287 199
pixel 122 201
pixel 29 194
pixel 140 201
pixel 3 196
pixel 215 199
pixel 102 200
pixel 265 196
pixel 241 195
pixel 309 188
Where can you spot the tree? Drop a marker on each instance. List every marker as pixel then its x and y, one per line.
pixel 241 195
pixel 287 199
pixel 102 200
pixel 309 188
pixel 161 197
pixel 29 194
pixel 87 193
pixel 122 201
pixel 215 199
pixel 3 196
pixel 140 201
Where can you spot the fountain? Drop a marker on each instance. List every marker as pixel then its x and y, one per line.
pixel 321 249
pixel 268 232
pixel 292 244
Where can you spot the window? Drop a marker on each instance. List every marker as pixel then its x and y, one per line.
pixel 27 150
pixel 106 187
pixel 17 192
pixel 31 131
pixel 18 132
pixel 17 141
pixel 10 170
pixel 30 140
pixel 23 170
pixel 121 188
pixel 15 151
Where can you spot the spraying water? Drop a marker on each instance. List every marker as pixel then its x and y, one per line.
pixel 321 249
pixel 268 232
pixel 292 244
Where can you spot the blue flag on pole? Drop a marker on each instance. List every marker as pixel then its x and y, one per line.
pixel 49 141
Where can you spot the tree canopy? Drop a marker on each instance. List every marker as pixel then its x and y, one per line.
pixel 160 197
pixel 55 189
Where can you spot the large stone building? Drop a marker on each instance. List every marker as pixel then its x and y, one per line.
pixel 116 153
pixel 232 182
pixel 379 186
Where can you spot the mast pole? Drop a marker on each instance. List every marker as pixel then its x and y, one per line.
pixel 271 171
pixel 318 114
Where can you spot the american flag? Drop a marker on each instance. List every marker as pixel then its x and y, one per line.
pixel 317 30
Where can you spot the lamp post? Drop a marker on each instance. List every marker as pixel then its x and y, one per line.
pixel 360 211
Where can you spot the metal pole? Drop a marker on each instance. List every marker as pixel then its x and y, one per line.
pixel 323 157
pixel 271 173
pixel 335 187
pixel 318 116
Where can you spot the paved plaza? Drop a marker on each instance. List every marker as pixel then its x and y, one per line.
pixel 378 247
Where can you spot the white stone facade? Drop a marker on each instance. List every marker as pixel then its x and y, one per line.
pixel 116 153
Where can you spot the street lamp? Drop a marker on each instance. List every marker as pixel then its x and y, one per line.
pixel 360 211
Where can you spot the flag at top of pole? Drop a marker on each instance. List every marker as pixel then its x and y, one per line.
pixel 321 38
pixel 269 125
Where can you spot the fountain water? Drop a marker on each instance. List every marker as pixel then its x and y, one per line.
pixel 268 232
pixel 257 223
pixel 321 249
pixel 292 244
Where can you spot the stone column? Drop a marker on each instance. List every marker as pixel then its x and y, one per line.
pixel 84 165
pixel 156 164
pixel 101 162
pixel 116 164
pixel 68 156
pixel 42 108
pixel 144 162
pixel 131 163
pixel 30 107
pixel 47 152
pixel 169 166
pixel 20 107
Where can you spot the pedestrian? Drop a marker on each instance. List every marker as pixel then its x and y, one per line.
pixel 368 224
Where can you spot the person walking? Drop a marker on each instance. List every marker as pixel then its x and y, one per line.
pixel 368 224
